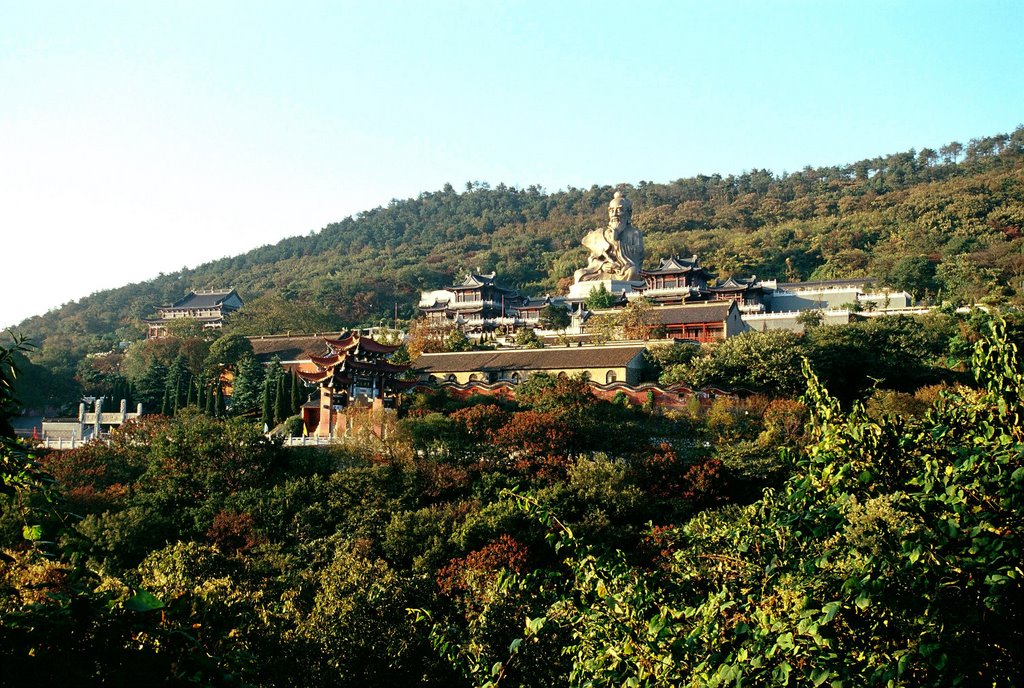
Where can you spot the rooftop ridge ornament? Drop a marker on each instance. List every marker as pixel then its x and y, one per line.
pixel 617 250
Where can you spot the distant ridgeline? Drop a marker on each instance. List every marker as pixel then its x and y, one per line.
pixel 942 225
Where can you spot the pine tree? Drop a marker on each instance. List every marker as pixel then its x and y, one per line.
pixel 247 388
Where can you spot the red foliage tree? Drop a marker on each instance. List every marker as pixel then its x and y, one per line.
pixel 478 570
pixel 479 421
pixel 664 474
pixel 537 441
pixel 232 531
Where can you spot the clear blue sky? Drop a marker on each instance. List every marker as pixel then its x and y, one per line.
pixel 140 137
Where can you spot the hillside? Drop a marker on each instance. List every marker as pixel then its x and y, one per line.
pixel 944 224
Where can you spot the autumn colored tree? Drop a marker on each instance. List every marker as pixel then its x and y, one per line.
pixel 427 337
pixel 638 319
pixel 537 440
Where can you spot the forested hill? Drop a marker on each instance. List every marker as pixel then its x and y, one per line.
pixel 942 223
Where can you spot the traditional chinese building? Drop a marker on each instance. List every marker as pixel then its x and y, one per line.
pixel 478 304
pixel 702 322
pixel 602 364
pixel 206 307
pixel 676 280
pixel 750 294
pixel 354 372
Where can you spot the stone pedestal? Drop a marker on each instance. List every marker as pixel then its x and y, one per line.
pixel 581 290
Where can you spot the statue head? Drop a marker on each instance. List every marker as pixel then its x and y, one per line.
pixel 620 209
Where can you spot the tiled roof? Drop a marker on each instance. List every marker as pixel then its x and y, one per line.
pixel 288 348
pixel 536 302
pixel 204 299
pixel 476 280
pixel 735 283
pixel 690 314
pixel 674 265
pixel 530 359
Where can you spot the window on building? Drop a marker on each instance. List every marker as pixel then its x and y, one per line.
pixel 610 377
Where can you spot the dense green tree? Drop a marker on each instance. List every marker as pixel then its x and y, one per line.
pixel 767 362
pixel 177 387
pixel 913 274
pixel 552 317
pixel 151 387
pixel 273 390
pixel 282 397
pixel 527 338
pixel 457 341
pixel 274 313
pixel 892 352
pixel 600 298
pixel 227 351
pixel 247 386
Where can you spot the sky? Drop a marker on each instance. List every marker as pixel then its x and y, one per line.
pixel 139 137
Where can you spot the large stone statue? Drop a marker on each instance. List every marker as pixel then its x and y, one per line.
pixel 616 251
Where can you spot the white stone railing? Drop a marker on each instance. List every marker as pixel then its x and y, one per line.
pixel 456 305
pixel 309 441
pixel 62 443
pixel 493 321
pixel 794 291
pixel 792 314
pixel 911 310
pixel 751 307
pixel 666 290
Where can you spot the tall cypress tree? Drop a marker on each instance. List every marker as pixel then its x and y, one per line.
pixel 247 387
pixel 268 401
pixel 218 401
pixel 296 393
pixel 271 386
pixel 151 389
pixel 179 382
pixel 209 398
pixel 281 399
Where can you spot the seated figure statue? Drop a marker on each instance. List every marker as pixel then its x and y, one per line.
pixel 616 251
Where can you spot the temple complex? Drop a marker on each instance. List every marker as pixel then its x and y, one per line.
pixel 354 372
